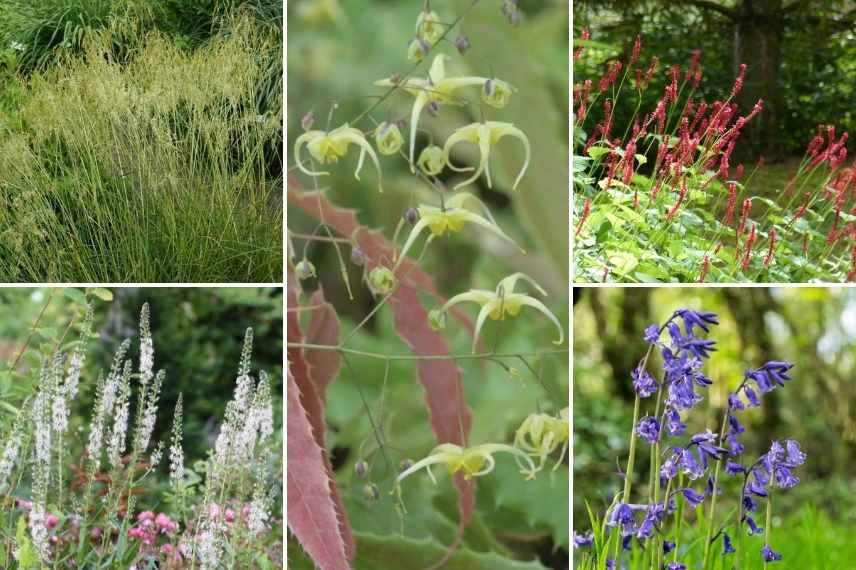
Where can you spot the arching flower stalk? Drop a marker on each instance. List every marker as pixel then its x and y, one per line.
pixel 499 303
pixel 450 219
pixel 486 135
pixel 327 147
pixel 541 434
pixel 439 89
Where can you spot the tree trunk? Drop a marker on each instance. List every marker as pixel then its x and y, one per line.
pixel 758 29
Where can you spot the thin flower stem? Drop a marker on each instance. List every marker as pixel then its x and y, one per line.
pixel 679 517
pixel 313 237
pixel 712 512
pixel 768 527
pixel 487 355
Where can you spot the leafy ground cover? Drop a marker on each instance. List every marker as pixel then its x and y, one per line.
pixel 663 197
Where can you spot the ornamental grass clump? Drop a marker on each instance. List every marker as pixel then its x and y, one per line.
pixel 655 198
pixel 105 506
pixel 691 474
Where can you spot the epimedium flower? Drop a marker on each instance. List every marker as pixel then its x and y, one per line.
pixel 541 434
pixel 496 93
pixel 503 301
pixel 473 461
pixel 435 89
pixel 428 26
pixel 328 147
pixel 486 135
pixel 388 138
pixel 431 160
pixel 451 218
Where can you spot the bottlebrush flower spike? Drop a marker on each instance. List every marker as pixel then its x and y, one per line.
pixel 705 269
pixel 503 301
pixel 738 82
pixel 485 135
pixel 747 253
pixel 329 147
pixel 769 259
pixel 449 219
pixel 583 216
pixel 475 461
pixel 437 89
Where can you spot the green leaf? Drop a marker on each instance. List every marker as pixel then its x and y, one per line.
pixel 75 295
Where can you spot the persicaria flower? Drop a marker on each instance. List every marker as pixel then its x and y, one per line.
pixel 738 82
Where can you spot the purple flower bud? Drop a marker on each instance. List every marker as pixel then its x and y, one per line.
pixel 676 566
pixel 361 468
pixel 370 492
pixel 411 215
pixel 753 528
pixel 433 108
pixel 462 43
pixel 734 402
pixel 727 547
pixel 668 546
pixel 307 121
pixel 358 258
pixel 652 333
pixel 673 423
pixel 692 498
pixel 733 468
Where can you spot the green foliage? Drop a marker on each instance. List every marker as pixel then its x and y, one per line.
pixel 113 163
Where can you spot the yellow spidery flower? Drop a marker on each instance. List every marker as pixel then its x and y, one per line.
pixel 485 135
pixel 541 434
pixel 329 147
pixel 501 302
pixel 473 461
pixel 436 88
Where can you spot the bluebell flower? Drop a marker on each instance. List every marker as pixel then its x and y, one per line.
pixel 649 429
pixel 754 402
pixel 652 333
pixel 610 564
pixel 581 540
pixel 676 566
pixel 705 446
pixel 650 524
pixel 673 422
pixel 772 372
pixel 756 487
pixel 622 515
pixel 753 528
pixel 627 542
pixel 734 402
pixel 644 383
pixel 727 547
pixel 692 498
pixel 749 504
pixel 733 468
pixel 700 319
pixel 682 394
pixel 735 447
pixel 769 554
pixel 795 454
pixel 699 347
pixel 668 546
pixel 688 463
pixel 669 468
pixel 734 424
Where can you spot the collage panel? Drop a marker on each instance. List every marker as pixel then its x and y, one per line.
pixel 710 141
pixel 141 428
pixel 141 141
pixel 427 285
pixel 713 427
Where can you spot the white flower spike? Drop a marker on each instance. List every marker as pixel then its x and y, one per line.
pixel 485 135
pixel 452 218
pixel 436 88
pixel 473 461
pixel 329 147
pixel 504 301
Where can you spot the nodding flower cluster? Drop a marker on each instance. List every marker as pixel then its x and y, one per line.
pixel 678 461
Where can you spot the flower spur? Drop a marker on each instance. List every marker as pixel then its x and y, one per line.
pixel 437 89
pixel 485 135
pixel 473 461
pixel 496 304
pixel 451 218
pixel 328 147
pixel 541 434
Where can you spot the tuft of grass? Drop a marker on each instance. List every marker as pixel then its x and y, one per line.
pixel 157 168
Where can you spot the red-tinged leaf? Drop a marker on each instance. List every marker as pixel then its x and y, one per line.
pixel 449 413
pixel 324 328
pixel 311 510
pixel 312 372
pixel 374 244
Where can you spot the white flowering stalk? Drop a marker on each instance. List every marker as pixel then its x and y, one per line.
pixel 263 407
pixel 78 357
pixel 147 349
pixel 39 532
pixel 149 414
pixel 176 453
pixel 259 511
pixel 59 395
pixel 105 398
pixel 11 449
pixel 116 446
pixel 210 544
pixel 41 416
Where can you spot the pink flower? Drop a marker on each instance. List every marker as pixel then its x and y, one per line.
pixel 146 516
pixel 230 515
pixel 95 533
pixel 167 549
pixel 54 539
pixel 162 521
pixel 214 510
pixel 51 520
pixel 24 504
